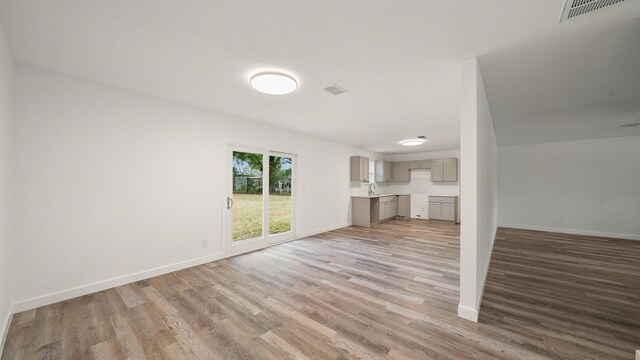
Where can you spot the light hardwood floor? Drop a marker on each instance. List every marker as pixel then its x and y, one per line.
pixel 386 292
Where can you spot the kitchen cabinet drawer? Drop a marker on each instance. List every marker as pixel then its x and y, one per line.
pixel 442 199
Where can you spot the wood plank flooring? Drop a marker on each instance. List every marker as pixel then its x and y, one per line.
pixel 389 292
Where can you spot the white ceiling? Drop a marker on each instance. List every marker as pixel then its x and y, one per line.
pixel 399 60
pixel 572 86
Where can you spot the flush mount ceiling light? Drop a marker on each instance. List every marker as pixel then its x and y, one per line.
pixel 413 142
pixel 273 83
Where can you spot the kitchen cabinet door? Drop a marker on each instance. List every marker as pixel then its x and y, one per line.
pixel 404 205
pixel 424 164
pixel 359 168
pixel 401 171
pixel 387 170
pixel 448 212
pixel 364 168
pixel 383 170
pixel 435 211
pixel 450 170
pixel 437 170
pixel 379 170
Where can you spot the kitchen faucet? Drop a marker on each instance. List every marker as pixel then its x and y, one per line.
pixel 370 189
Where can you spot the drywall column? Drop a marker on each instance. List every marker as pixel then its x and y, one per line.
pixel 478 189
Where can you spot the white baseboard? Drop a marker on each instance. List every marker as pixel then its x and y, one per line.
pixel 5 327
pixel 468 313
pixel 573 231
pixel 486 271
pixel 81 290
pixel 74 292
pixel 323 230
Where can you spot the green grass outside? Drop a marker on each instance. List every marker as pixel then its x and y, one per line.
pixel 247 215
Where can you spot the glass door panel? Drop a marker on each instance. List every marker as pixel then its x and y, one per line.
pixel 280 203
pixel 248 196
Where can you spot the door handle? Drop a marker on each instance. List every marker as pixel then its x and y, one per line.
pixel 229 203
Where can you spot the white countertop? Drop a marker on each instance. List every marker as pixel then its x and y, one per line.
pixel 377 196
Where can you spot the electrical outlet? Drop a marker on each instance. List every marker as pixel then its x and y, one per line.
pixel 204 244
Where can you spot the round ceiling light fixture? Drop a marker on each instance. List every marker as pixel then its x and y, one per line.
pixel 413 142
pixel 273 83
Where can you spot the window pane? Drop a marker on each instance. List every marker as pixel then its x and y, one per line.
pixel 279 194
pixel 247 195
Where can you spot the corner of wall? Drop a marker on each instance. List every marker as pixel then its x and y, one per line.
pixel 468 313
pixel 4 327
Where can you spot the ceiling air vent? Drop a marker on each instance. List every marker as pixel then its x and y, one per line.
pixel 573 8
pixel 335 89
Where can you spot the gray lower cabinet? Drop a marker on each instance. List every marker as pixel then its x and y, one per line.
pixel 383 170
pixel 388 207
pixel 444 170
pixel 360 168
pixel 404 206
pixel 371 210
pixel 401 171
pixel 435 210
pixel 443 208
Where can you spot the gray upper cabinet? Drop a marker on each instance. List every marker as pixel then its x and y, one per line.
pixel 437 170
pixel 450 169
pixel 360 168
pixel 444 170
pixel 383 170
pixel 420 164
pixel 401 171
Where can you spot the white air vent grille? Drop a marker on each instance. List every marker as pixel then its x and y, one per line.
pixel 335 89
pixel 573 8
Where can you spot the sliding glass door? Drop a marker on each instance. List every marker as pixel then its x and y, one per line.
pixel 259 203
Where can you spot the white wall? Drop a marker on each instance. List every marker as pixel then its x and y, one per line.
pixel 479 193
pixel 6 66
pixel 110 184
pixel 582 187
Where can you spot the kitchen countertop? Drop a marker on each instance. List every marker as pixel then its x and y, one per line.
pixel 377 196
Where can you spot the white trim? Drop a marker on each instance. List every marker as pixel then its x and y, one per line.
pixel 573 231
pixel 5 327
pixel 486 271
pixel 323 230
pixel 468 313
pixel 74 292
pixel 81 290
